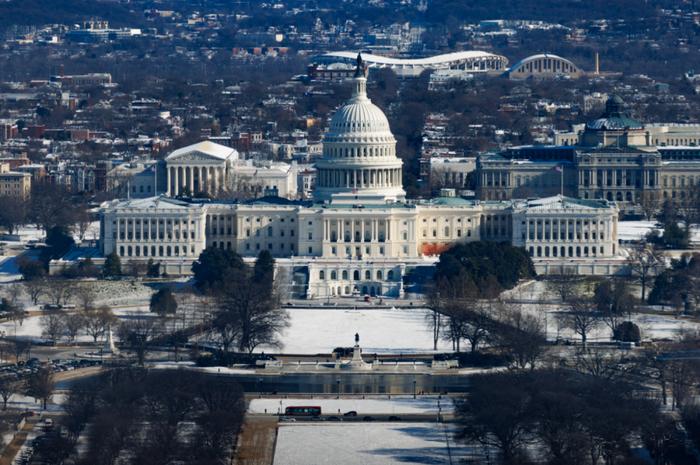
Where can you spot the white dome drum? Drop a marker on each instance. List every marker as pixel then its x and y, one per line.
pixel 359 151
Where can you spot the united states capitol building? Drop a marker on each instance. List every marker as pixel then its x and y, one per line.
pixel 359 234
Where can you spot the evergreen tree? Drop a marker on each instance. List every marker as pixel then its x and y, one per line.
pixel 264 269
pixel 213 265
pixel 152 269
pixel 163 302
pixel 112 266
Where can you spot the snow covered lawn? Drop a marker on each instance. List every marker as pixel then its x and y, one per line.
pixel 315 331
pixel 385 406
pixel 366 444
pixel 634 230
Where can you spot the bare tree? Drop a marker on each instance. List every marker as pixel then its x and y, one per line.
pixel 85 296
pixel 139 335
pixel 521 335
pixel 13 213
pixel 35 289
pixel 599 363
pixel 434 316
pixel 8 387
pixel 82 221
pixel 564 285
pixel 248 312
pixel 614 302
pixel 96 321
pixel 73 323
pixel 40 384
pixel 58 291
pixel 52 326
pixel 14 293
pixel 643 262
pixel 582 317
pixel 649 205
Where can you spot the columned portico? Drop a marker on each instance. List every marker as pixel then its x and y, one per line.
pixel 199 169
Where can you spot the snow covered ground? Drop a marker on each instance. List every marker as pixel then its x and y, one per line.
pixel 634 230
pixel 315 331
pixel 366 444
pixel 658 326
pixel 385 406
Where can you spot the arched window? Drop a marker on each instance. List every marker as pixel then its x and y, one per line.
pixel 390 275
pixel 379 275
pixel 334 275
pixel 368 274
pixel 321 275
pixel 345 274
pixel 356 275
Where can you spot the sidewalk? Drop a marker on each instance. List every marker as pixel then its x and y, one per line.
pixel 9 453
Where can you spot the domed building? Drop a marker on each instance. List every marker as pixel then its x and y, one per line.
pixel 614 127
pixel 359 236
pixel 359 152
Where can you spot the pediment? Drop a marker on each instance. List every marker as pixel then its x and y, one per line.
pixel 194 156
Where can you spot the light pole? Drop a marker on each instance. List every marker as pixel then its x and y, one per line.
pixel 337 382
pixel 414 388
pixel 260 380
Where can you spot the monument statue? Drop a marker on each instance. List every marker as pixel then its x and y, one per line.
pixel 357 339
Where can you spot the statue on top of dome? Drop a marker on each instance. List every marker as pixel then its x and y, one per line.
pixel 360 68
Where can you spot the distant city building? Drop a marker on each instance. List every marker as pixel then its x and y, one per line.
pixel 92 79
pixel 99 31
pixel 452 172
pixel 613 157
pixel 13 183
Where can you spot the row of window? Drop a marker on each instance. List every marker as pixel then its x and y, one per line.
pixel 578 251
pixel 356 275
pixel 153 251
pixel 349 152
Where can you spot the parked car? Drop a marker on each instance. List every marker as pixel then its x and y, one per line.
pixel 351 413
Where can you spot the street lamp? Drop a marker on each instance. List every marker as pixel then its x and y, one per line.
pixel 337 382
pixel 260 388
pixel 414 388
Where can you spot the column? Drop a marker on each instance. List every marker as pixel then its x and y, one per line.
pixel 177 181
pixel 215 180
pixel 527 229
pixel 362 231
pixel 167 189
pixel 190 179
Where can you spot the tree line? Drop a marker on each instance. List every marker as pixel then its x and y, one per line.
pixel 154 417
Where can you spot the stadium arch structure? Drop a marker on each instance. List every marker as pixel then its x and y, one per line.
pixel 471 61
pixel 544 66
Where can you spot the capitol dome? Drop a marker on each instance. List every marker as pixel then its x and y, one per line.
pixel 359 151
